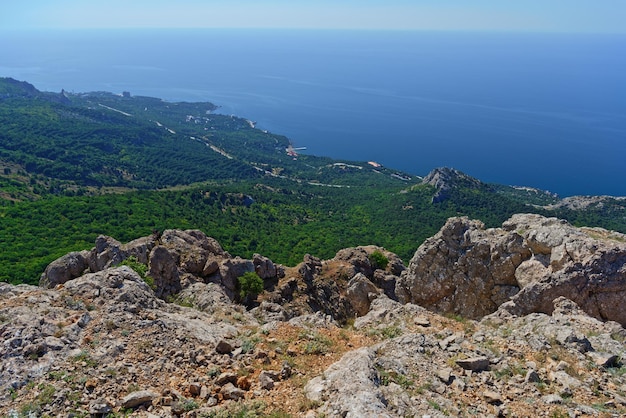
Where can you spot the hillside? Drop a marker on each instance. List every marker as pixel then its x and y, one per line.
pixel 78 142
pixel 167 326
pixel 73 166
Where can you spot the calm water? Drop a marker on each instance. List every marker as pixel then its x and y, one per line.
pixel 547 111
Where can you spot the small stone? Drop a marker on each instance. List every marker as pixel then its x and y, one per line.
pixel 492 397
pixel 205 392
pixel 195 388
pixel 229 391
pixel 422 321
pixel 91 384
pixel 133 400
pixel 566 392
pixel 447 341
pixel 226 377
pixel 562 365
pixel 54 343
pixel 475 364
pixel 552 399
pixel 100 406
pixel 178 408
pixel 531 376
pixel 459 384
pixel 243 383
pixel 445 375
pixel 265 381
pixel 602 359
pixel 224 347
pixel 286 371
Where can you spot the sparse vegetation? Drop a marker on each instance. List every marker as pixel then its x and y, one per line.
pixel 317 344
pixel 244 409
pixel 250 285
pixel 378 260
pixel 141 269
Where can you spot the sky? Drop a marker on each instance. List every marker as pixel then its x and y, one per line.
pixel 474 15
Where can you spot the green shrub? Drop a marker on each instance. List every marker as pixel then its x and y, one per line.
pixel 250 285
pixel 140 268
pixel 378 260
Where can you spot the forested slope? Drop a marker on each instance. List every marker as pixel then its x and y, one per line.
pixel 74 166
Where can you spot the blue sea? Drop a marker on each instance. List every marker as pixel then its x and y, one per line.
pixel 539 110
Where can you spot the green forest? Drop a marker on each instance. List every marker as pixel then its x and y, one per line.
pixel 73 167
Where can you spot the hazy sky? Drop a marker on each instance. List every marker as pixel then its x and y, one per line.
pixel 519 15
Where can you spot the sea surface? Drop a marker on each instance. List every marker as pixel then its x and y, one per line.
pixel 539 110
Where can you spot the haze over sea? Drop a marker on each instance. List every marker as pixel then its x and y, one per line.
pixel 539 110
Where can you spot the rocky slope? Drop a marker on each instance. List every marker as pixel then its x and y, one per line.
pixel 523 320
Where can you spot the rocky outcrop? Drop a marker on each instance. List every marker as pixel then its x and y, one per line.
pixel 342 287
pixel 523 266
pixel 587 202
pixel 445 179
pixel 100 338
pixel 175 260
pixel 464 269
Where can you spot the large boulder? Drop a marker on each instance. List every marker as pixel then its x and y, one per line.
pixel 360 398
pixel 230 270
pixel 119 286
pixel 358 260
pixel 163 268
pixel 520 268
pixel 65 268
pixel 597 285
pixel 465 269
pixel 360 293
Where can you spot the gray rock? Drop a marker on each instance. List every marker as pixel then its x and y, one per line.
pixel 475 364
pixel 603 359
pixel 360 398
pixel 492 397
pixel 445 375
pixel 63 269
pixel 230 270
pixel 100 407
pixel 163 268
pixel 464 269
pixel 134 399
pixel 552 399
pixel 315 389
pixel 230 391
pixel 360 293
pixel 54 343
pixel 517 269
pixel 210 298
pixel 422 321
pixel 266 380
pixel 532 377
pixel 264 267
pixel 226 377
